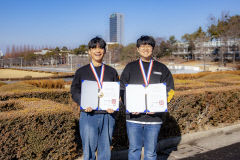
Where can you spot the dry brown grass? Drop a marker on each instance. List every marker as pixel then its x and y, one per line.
pixel 11 73
pixel 50 84
pixel 202 74
pixel 190 76
pixel 200 82
pixel 207 89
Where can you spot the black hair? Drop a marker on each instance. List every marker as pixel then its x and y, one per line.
pixel 146 40
pixel 97 42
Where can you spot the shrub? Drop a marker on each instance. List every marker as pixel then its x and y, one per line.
pixel 38 130
pixel 2 83
pixel 238 67
pixel 20 90
pixel 27 77
pixel 9 106
pixel 210 108
pixel 189 111
pixel 60 96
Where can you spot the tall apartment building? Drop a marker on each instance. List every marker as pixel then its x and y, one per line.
pixel 116 28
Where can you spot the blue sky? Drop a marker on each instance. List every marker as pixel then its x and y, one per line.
pixel 74 22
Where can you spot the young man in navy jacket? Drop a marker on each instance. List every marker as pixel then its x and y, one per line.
pixel 96 127
pixel 142 128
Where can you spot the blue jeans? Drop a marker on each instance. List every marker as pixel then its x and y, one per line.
pixel 140 135
pixel 96 133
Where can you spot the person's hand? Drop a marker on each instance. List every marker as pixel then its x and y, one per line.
pixel 110 111
pixel 88 109
pixel 150 112
pixel 135 113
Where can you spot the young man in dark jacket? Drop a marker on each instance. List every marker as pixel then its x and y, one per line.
pixel 96 126
pixel 143 128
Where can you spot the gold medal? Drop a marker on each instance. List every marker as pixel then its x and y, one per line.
pixel 100 94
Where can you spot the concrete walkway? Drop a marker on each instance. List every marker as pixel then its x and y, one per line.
pixel 192 144
pixel 202 142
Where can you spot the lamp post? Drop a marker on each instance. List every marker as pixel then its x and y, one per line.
pixel 204 57
pixel 10 62
pixel 71 63
pixel 21 60
pixel 220 50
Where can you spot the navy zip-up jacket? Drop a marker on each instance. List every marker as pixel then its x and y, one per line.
pixel 132 75
pixel 85 73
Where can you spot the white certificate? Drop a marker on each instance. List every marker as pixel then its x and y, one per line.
pixel 110 99
pixel 157 98
pixel 89 95
pixel 135 98
pixel 150 99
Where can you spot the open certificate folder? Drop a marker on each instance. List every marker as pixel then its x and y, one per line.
pixel 150 99
pixel 109 98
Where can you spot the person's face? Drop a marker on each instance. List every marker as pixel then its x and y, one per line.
pixel 96 54
pixel 145 51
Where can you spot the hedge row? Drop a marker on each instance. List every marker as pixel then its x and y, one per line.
pixel 38 129
pixel 57 95
pixel 189 111
pixel 10 105
pixel 211 108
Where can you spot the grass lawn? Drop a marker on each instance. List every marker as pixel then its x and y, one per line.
pixel 10 73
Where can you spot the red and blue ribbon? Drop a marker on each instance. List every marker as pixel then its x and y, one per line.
pixel 146 78
pixel 98 79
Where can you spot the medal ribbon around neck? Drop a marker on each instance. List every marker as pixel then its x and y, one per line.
pixel 99 81
pixel 146 79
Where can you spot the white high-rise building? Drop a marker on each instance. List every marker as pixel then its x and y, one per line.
pixel 116 28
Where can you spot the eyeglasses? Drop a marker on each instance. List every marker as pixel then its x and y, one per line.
pixel 97 49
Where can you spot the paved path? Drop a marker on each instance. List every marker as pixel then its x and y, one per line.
pixel 215 144
pixel 222 145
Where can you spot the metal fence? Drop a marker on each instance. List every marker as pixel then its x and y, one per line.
pixel 69 62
